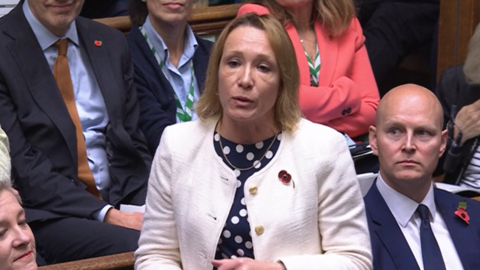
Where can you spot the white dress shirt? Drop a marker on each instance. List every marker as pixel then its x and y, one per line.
pixel 403 210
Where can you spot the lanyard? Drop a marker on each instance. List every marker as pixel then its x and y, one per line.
pixel 314 66
pixel 184 114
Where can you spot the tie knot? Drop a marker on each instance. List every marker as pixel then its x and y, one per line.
pixel 422 210
pixel 62 45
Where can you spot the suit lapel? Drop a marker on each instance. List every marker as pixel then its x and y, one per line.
pixel 328 49
pixel 460 232
pixel 38 77
pixel 165 92
pixel 200 58
pixel 386 228
pixel 95 49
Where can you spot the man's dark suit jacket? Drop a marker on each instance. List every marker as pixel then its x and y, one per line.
pixel 158 108
pixel 390 248
pixel 42 135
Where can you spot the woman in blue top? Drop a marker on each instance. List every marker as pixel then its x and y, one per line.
pixel 170 64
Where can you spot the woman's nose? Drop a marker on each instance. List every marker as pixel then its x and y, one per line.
pixel 246 80
pixel 21 237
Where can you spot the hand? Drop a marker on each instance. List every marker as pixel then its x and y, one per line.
pixel 129 220
pixel 468 120
pixel 245 264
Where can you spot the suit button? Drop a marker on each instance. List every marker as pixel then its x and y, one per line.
pixel 344 112
pixel 259 229
pixel 349 110
pixel 253 190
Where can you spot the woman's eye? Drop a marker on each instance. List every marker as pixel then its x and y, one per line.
pixel 233 63
pixel 264 68
pixel 3 232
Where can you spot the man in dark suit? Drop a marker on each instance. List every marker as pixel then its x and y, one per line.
pixel 71 191
pixel 394 29
pixel 412 224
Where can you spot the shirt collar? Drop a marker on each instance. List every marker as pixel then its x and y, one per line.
pixel 44 36
pixel 190 42
pixel 401 206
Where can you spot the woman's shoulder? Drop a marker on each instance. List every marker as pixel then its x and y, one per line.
pixel 191 129
pixel 191 133
pixel 204 44
pixel 137 43
pixel 313 132
pixel 353 32
pixel 252 8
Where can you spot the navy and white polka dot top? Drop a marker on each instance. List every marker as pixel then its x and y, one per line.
pixel 235 240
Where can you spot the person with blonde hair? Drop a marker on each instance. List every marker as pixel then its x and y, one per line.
pixel 337 86
pixel 5 164
pixel 17 244
pixel 249 185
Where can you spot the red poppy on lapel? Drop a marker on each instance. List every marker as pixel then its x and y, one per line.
pixel 285 177
pixel 462 211
pixel 98 43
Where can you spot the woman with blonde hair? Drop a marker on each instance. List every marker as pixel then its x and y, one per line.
pixel 337 86
pixel 17 244
pixel 5 164
pixel 249 185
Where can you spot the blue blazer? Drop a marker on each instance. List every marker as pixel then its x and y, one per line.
pixel 155 93
pixel 390 248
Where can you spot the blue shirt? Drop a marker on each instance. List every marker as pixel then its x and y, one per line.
pixel 180 78
pixel 88 97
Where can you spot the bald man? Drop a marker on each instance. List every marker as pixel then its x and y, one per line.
pixel 414 226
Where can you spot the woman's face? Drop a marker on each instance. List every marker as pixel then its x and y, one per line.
pixel 17 245
pixel 170 11
pixel 293 3
pixel 249 77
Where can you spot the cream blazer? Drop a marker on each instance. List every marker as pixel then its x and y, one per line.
pixel 318 224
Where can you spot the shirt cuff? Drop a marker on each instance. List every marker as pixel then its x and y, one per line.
pixel 100 215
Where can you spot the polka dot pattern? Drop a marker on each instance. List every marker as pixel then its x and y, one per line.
pixel 236 240
pixel 239 148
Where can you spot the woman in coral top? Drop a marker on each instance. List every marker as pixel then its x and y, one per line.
pixel 337 86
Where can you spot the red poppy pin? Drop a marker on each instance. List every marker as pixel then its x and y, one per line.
pixel 98 43
pixel 462 211
pixel 285 177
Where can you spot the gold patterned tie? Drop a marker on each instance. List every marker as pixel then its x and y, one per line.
pixel 61 72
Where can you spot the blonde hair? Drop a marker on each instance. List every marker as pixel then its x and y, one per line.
pixel 335 15
pixel 287 111
pixel 5 164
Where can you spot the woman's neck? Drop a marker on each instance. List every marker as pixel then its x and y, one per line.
pixel 302 17
pixel 173 36
pixel 246 133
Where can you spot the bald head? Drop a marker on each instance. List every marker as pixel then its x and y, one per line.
pixel 410 98
pixel 408 139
